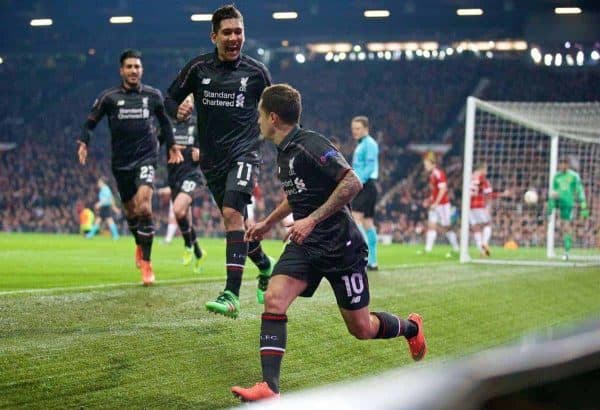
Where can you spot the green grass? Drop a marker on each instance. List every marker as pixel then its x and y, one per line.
pixel 77 329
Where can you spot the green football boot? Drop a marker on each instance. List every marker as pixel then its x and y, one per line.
pixel 226 304
pixel 263 281
pixel 188 255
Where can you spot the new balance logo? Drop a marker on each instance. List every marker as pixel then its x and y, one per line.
pixel 206 81
pixel 355 300
pixel 242 183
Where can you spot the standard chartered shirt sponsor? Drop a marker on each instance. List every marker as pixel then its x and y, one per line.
pixel 219 99
pixel 133 113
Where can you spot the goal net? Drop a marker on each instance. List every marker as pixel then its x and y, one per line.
pixel 522 145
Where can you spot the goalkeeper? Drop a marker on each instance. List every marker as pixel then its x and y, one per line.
pixel 566 190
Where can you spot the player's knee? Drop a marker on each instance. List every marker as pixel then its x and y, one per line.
pixel 233 219
pixel 274 301
pixel 180 212
pixel 144 210
pixel 360 330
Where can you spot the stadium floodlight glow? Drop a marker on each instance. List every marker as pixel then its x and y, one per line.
pixel 201 17
pixel 595 55
pixel 361 56
pixel 300 58
pixel 285 15
pixel 357 48
pixel 402 46
pixel 520 45
pixel 40 22
pixel 449 51
pixel 567 44
pixel 469 12
pixel 336 59
pixel 580 58
pixel 429 45
pixel 323 48
pixel 329 56
pixel 548 59
pixel 352 56
pixel 409 54
pixel 419 53
pixel 260 51
pixel 489 54
pixel 371 56
pixel 558 59
pixel 376 13
pixel 567 10
pixel 536 55
pixel 387 55
pixel 1 60
pixel 342 56
pixel 570 61
pixel 121 19
pixel 426 54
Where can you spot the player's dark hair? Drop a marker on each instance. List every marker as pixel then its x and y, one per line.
pixel 284 100
pixel 223 13
pixel 364 120
pixel 130 53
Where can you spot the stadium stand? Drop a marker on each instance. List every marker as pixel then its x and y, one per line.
pixel 407 102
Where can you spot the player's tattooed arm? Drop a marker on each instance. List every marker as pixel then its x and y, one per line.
pixel 346 189
pixel 343 193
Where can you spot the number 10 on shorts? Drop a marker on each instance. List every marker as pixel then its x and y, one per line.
pixel 354 284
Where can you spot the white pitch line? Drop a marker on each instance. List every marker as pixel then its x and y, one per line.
pixel 103 286
pixel 172 281
pixel 418 265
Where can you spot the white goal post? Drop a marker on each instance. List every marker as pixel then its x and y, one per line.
pixel 521 143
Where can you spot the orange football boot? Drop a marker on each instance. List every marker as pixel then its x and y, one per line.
pixel 260 391
pixel 417 344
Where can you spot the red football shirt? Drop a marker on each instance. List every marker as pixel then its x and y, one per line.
pixel 437 178
pixel 480 188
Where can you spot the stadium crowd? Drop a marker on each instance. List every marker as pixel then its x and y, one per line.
pixel 406 102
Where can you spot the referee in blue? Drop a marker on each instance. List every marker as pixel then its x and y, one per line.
pixel 365 162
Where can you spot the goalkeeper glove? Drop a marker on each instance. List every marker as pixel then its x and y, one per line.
pixel 585 212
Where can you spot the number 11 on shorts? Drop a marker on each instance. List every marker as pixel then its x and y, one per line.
pixel 241 170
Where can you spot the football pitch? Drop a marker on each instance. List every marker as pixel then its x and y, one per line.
pixel 78 330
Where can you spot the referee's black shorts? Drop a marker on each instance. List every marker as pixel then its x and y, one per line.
pixel 366 200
